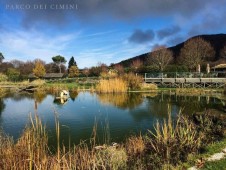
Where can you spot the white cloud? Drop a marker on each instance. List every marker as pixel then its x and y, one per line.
pixel 23 45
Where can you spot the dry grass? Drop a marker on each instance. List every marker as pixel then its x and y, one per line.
pixel 31 152
pixel 169 144
pixel 135 145
pixel 146 86
pixel 173 142
pixel 111 86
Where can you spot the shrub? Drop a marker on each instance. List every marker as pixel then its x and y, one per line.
pixel 3 77
pixel 133 81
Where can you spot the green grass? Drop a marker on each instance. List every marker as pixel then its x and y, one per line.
pixel 216 165
pixel 209 150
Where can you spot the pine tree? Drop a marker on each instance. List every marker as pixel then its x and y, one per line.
pixel 72 62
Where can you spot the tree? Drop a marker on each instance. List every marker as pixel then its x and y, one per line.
pixel 119 68
pixel 160 57
pixel 59 60
pixel 86 71
pixel 195 51
pixel 223 52
pixel 39 70
pixel 72 62
pixel 136 64
pixel 1 57
pixel 73 71
pixel 13 74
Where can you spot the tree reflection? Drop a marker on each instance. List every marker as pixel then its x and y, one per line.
pixel 39 96
pixel 73 94
pixel 121 100
pixel 2 106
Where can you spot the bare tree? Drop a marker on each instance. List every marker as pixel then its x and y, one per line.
pixel 119 68
pixel 195 51
pixel 160 57
pixel 223 52
pixel 136 64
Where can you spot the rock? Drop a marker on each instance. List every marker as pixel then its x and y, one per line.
pixel 192 168
pixel 224 150
pixel 216 156
pixel 100 147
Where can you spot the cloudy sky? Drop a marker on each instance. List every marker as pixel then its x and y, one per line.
pixel 106 31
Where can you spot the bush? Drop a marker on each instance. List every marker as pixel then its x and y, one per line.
pixel 3 77
pixel 133 81
pixel 13 74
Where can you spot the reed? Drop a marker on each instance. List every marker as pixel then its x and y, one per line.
pixel 172 141
pixel 163 148
pixel 112 86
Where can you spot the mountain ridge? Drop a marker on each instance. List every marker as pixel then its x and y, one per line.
pixel 217 41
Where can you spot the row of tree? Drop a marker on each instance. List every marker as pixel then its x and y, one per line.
pixel 17 69
pixel 195 52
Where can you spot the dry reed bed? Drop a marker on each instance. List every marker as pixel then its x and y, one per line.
pixel 170 143
pixel 112 86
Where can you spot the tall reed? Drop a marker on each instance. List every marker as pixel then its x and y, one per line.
pixel 112 86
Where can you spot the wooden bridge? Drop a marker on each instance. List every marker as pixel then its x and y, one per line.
pixel 193 80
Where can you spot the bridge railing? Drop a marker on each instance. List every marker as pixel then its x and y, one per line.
pixel 185 75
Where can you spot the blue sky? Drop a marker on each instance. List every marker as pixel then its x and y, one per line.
pixel 102 30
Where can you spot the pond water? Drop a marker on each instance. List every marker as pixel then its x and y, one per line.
pixel 117 116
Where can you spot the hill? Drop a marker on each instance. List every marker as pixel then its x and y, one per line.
pixel 216 40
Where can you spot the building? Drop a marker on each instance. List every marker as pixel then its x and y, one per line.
pixel 48 76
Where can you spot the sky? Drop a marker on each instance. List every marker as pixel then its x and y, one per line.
pixel 102 31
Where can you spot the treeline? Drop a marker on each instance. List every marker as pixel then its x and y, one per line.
pixel 184 57
pixel 195 52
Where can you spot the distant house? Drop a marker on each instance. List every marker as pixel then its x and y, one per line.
pixel 219 68
pixel 48 76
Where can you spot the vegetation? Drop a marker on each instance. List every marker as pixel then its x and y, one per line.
pixel 195 51
pixel 72 62
pixel 112 86
pixel 1 57
pixel 165 148
pixel 39 70
pixel 223 52
pixel 73 71
pixel 134 82
pixel 13 74
pixel 59 60
pixel 3 77
pixel 160 58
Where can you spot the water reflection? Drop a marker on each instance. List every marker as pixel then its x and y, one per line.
pixel 39 96
pixel 125 113
pixel 122 100
pixel 2 106
pixel 73 94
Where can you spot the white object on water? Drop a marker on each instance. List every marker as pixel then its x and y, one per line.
pixel 64 94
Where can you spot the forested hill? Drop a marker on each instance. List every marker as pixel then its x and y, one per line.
pixel 216 40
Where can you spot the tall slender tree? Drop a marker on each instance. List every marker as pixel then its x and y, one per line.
pixel 59 60
pixel 1 57
pixel 72 62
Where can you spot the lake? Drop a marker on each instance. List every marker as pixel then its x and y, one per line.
pixel 116 116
